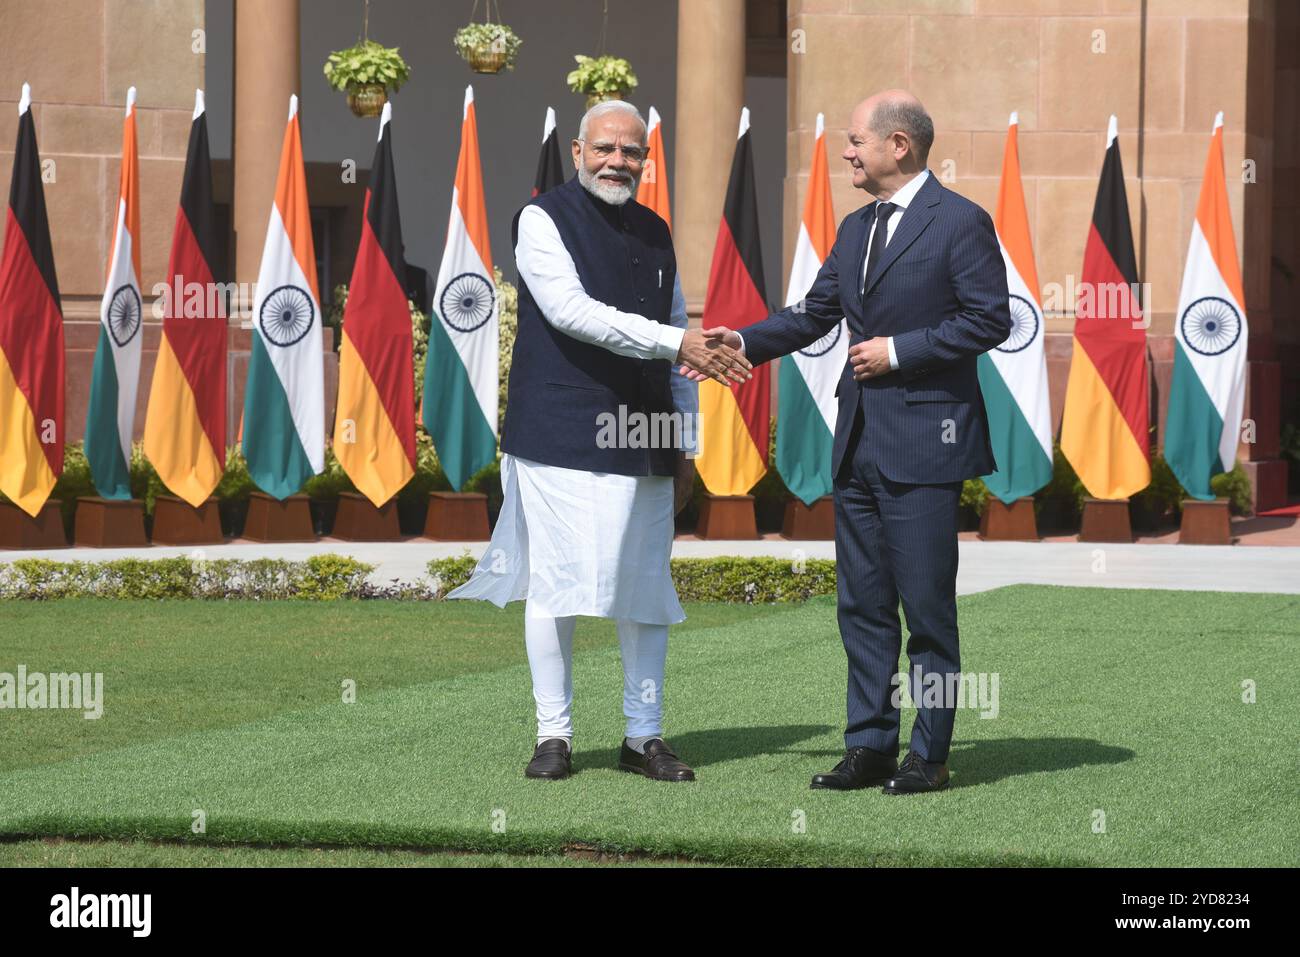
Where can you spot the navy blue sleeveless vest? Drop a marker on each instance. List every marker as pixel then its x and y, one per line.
pixel 560 387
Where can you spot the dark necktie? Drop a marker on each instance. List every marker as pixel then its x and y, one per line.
pixel 883 212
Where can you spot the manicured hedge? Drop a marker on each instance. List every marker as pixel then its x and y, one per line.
pixel 319 578
pixel 727 579
pixel 332 577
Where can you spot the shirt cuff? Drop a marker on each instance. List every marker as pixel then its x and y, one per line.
pixel 742 343
pixel 670 342
pixel 893 356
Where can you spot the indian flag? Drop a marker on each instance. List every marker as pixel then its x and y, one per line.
pixel 806 406
pixel 652 192
pixel 1013 375
pixel 284 400
pixel 460 375
pixel 110 418
pixel 1209 379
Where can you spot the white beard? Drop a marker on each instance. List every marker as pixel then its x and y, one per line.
pixel 616 194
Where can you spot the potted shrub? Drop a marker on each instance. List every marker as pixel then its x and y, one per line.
pixel 366 72
pixel 602 78
pixel 487 47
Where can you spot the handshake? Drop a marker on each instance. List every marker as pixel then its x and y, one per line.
pixel 714 354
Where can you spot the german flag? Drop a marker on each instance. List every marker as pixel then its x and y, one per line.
pixel 1104 427
pixel 374 421
pixel 31 334
pixel 185 422
pixel 550 167
pixel 734 419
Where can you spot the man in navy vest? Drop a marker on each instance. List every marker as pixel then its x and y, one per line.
pixel 920 278
pixel 596 428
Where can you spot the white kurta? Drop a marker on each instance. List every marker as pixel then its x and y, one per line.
pixel 575 542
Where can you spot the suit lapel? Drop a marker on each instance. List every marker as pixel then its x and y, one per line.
pixel 918 215
pixel 867 214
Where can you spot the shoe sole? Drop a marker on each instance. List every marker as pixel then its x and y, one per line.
pixel 632 769
pixel 874 783
pixel 941 787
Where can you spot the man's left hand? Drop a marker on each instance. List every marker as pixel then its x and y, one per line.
pixel 870 358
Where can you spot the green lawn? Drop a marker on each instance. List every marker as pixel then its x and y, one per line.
pixel 1126 704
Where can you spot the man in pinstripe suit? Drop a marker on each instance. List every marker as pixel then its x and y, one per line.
pixel 919 276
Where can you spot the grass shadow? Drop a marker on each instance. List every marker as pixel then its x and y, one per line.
pixel 700 749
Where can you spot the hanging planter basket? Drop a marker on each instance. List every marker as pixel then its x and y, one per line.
pixel 368 101
pixel 487 47
pixel 594 98
pixel 602 78
pixel 366 73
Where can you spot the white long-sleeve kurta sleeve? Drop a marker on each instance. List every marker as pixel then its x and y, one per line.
pixel 552 278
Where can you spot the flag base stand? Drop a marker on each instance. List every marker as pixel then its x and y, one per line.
pixel 358 520
pixel 109 523
pixel 1205 523
pixel 727 517
pixel 809 523
pixel 457 517
pixel 274 520
pixel 177 522
pixel 20 530
pixel 1008 523
pixel 1106 520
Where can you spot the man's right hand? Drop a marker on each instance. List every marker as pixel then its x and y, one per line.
pixel 724 337
pixel 705 354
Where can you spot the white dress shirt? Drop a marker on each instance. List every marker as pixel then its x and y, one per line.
pixel 906 193
pixel 548 268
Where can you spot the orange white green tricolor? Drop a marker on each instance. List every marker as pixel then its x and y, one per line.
pixel 185 422
pixel 31 334
pixel 374 420
pixel 734 419
pixel 807 407
pixel 284 401
pixel 652 192
pixel 1104 426
pixel 461 370
pixel 1013 375
pixel 1209 380
pixel 110 416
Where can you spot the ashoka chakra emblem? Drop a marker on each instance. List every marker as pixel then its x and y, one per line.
pixel 124 315
pixel 1024 325
pixel 466 302
pixel 1211 325
pixel 823 345
pixel 287 315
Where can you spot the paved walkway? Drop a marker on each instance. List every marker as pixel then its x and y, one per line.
pixel 984 565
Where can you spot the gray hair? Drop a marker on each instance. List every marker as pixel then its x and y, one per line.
pixel 905 116
pixel 610 106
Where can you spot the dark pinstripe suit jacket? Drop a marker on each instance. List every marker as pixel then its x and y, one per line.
pixel 940 289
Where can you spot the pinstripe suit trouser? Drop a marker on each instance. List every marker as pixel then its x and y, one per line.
pixel 895 541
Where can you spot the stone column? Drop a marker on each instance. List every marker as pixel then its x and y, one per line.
pixel 710 91
pixel 266 74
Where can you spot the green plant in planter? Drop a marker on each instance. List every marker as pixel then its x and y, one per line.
pixel 487 47
pixel 602 77
pixel 1235 487
pixel 366 72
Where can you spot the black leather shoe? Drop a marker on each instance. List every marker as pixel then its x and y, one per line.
pixel 658 762
pixel 551 760
pixel 860 768
pixel 916 776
